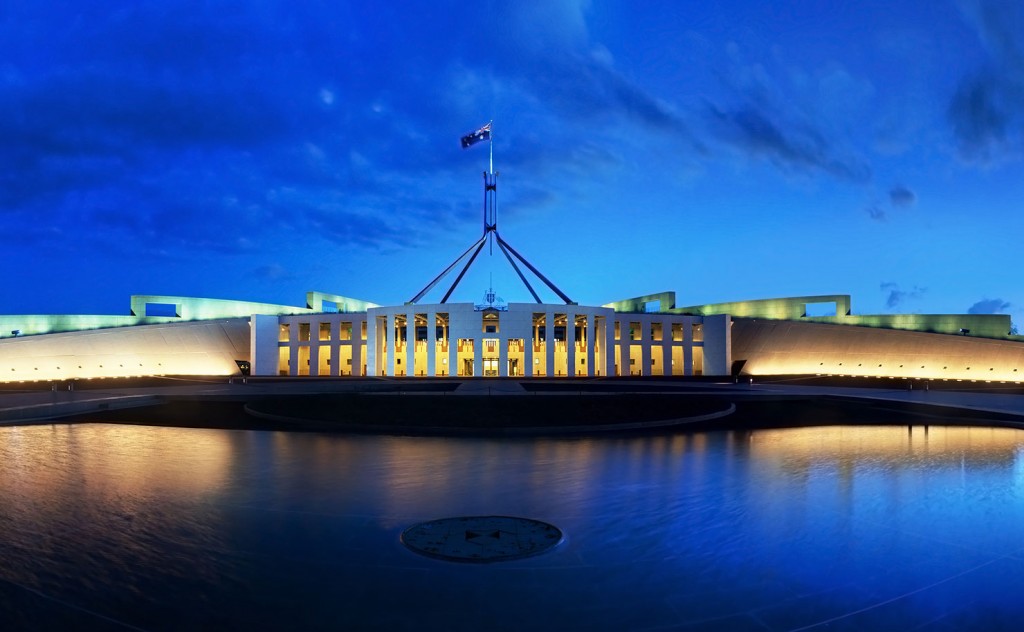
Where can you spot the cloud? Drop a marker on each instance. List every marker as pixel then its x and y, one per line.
pixel 979 115
pixel 791 118
pixel 877 213
pixel 985 110
pixel 786 145
pixel 897 296
pixel 272 272
pixel 989 306
pixel 902 197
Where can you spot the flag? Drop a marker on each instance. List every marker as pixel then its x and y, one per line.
pixel 484 133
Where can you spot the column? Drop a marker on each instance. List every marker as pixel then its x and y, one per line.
pixel 431 344
pixel 570 344
pixel 549 343
pixel 410 344
pixel 591 341
pixel 389 338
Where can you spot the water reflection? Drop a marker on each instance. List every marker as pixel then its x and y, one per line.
pixel 774 529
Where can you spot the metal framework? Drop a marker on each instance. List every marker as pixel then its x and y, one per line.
pixel 489 237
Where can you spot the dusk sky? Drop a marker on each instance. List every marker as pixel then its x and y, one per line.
pixel 728 150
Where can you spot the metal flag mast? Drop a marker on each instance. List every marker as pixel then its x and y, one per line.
pixel 490 234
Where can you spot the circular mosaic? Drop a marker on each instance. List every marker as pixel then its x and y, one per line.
pixel 481 538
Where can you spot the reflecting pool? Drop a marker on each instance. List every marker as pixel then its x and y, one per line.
pixel 839 528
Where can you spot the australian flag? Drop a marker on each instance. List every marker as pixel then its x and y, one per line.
pixel 484 133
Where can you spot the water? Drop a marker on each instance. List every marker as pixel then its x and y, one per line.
pixel 848 528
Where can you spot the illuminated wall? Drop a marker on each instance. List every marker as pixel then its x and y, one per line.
pixel 770 347
pixel 795 308
pixel 184 308
pixel 182 348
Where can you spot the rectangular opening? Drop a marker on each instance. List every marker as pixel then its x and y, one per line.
pixel 325 331
pixel 303 332
pixel 329 307
pixel 820 309
pixel 652 307
pixel 161 309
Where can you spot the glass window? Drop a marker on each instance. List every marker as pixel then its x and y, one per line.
pixel 634 331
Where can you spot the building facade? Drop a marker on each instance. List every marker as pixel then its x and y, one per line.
pixel 336 336
pixel 467 340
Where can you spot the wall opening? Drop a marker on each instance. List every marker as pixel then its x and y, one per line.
pixel 812 310
pixel 161 309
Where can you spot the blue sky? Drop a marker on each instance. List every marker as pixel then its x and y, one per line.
pixel 727 151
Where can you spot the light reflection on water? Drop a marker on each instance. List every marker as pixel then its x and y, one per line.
pixel 856 527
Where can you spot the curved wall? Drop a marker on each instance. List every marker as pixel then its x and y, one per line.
pixel 189 348
pixel 771 347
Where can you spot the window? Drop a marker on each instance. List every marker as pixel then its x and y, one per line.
pixel 634 331
pixel 490 322
pixel 303 332
pixel 325 331
pixel 346 331
pixel 283 331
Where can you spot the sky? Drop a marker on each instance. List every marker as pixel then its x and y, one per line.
pixel 727 151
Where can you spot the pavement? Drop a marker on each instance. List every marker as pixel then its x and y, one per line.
pixel 34 404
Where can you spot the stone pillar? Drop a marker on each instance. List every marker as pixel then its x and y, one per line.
pixel 431 344
pixel 549 343
pixel 389 337
pixel 591 341
pixel 645 347
pixel 410 344
pixel 570 344
pixel 503 349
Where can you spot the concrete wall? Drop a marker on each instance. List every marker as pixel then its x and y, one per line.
pixel 263 343
pixel 190 348
pixel 717 345
pixel 768 347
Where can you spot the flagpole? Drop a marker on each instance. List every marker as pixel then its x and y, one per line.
pixel 494 193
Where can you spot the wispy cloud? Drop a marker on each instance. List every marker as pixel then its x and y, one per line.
pixel 772 116
pixel 986 111
pixel 877 213
pixel 897 296
pixel 989 306
pixel 902 197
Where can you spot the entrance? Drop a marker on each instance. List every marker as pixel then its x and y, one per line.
pixel 490 367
